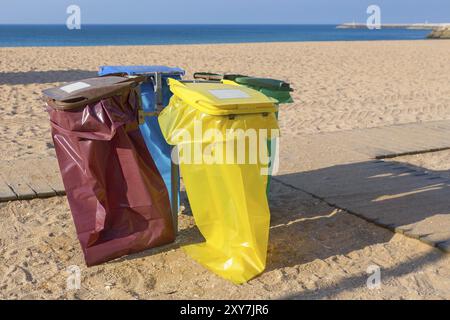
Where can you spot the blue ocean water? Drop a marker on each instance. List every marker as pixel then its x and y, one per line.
pixel 95 35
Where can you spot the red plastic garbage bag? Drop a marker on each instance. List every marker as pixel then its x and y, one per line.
pixel 118 199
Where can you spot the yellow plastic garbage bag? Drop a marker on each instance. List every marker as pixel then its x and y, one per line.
pixel 224 169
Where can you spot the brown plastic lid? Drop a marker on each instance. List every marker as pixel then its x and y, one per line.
pixel 80 93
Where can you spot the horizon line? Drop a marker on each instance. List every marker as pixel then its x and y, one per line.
pixel 217 24
pixel 182 24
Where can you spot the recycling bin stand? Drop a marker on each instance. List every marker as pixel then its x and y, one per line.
pixel 155 95
pixel 219 130
pixel 276 89
pixel 117 197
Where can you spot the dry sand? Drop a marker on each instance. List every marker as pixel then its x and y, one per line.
pixel 338 85
pixel 436 162
pixel 315 251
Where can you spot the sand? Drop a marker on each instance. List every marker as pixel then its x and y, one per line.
pixel 338 85
pixel 315 250
pixel 436 162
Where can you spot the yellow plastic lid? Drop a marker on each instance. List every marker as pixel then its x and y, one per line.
pixel 222 99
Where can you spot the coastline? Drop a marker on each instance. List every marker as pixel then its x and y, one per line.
pixel 215 43
pixel 123 35
pixel 221 44
pixel 414 26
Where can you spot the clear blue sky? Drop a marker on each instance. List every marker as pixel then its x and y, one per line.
pixel 222 11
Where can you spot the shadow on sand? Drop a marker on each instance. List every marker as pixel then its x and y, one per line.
pixel 185 237
pixel 398 196
pixel 391 194
pixel 305 228
pixel 359 281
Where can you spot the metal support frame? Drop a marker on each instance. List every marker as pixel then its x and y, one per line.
pixel 174 169
pixel 158 91
pixel 175 182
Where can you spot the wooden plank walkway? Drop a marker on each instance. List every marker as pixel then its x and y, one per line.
pixel 340 168
pixel 25 179
pixel 330 148
pixel 397 196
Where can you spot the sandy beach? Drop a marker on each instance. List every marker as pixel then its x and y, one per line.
pixel 316 251
pixel 339 85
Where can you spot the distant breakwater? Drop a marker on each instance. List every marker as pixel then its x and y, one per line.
pixel 414 26
pixel 440 33
pixel 438 30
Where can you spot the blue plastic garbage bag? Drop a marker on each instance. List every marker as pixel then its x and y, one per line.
pixel 157 145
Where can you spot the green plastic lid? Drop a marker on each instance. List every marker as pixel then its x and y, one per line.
pixel 271 84
pixel 276 89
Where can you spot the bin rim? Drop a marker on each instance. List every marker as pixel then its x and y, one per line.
pixel 259 82
pixel 217 76
pixel 265 83
pixel 141 70
pixel 90 94
pixel 200 95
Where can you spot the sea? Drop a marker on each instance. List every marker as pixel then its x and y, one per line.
pixel 101 35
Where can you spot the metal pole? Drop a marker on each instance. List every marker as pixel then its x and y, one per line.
pixel 174 170
pixel 175 180
pixel 159 93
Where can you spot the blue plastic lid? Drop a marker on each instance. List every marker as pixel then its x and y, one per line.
pixel 139 70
